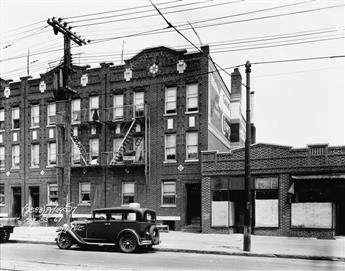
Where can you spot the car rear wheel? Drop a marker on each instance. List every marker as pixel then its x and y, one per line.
pixel 4 236
pixel 154 233
pixel 128 243
pixel 64 241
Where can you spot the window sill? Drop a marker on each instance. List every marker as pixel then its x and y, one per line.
pixel 2 205
pixel 15 129
pixel 169 114
pixel 15 168
pixel 34 127
pixel 50 166
pixel 34 167
pixel 169 161
pixel 191 112
pixel 191 160
pixel 2 131
pixel 2 169
pixel 51 125
pixel 84 204
pixel 52 205
pixel 168 206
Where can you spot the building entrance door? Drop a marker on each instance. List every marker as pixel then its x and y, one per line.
pixel 193 203
pixel 34 201
pixel 17 202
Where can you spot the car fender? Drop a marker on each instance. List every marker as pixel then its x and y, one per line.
pixel 74 236
pixel 129 231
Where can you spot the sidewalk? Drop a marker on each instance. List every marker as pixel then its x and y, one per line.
pixel 224 244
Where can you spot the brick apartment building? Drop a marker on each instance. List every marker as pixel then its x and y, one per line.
pixel 137 133
pixel 296 192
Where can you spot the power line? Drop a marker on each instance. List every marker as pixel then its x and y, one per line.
pixel 148 16
pixel 117 10
pixel 138 12
pixel 297 59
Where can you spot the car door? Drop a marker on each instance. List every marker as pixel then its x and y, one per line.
pixel 97 228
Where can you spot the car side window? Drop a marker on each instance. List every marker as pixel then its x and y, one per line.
pixel 117 216
pixel 100 216
pixel 130 216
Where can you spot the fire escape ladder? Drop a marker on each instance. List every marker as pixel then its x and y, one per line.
pixel 83 153
pixel 125 141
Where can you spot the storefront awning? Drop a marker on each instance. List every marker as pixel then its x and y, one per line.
pixel 320 177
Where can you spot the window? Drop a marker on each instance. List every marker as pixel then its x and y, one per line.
pixel 2 194
pixel 15 156
pixel 116 145
pixel 266 202
pixel 128 191
pixel 192 146
pixel 169 193
pixel 2 119
pixel 35 115
pixel 2 157
pixel 51 153
pixel 75 155
pixel 170 100
pixel 15 117
pixel 118 107
pixel 53 194
pixel 51 113
pixel 35 155
pixel 101 215
pixel 192 97
pixel 139 103
pixel 84 193
pixel 94 108
pixel 170 147
pixel 94 151
pixel 75 108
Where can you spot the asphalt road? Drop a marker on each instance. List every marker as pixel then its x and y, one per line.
pixel 24 256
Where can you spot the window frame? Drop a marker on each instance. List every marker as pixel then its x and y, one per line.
pixel 49 154
pixel 75 153
pixel 75 111
pixel 92 151
pixel 81 202
pixel 123 193
pixel 138 102
pixel 49 196
pixel 35 116
pixel 118 108
pixel 168 194
pixel 167 101
pixel 2 195
pixel 188 146
pixel 166 159
pixel 2 155
pixel 93 107
pixel 49 115
pixel 15 109
pixel 35 155
pixel 14 156
pixel 2 119
pixel 189 97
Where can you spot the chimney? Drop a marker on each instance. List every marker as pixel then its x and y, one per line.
pixel 236 83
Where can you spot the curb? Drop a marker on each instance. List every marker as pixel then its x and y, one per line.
pixel 213 252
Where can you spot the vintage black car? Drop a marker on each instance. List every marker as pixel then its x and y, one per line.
pixel 128 227
pixel 6 227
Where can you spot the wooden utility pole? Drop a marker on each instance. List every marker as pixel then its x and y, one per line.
pixel 247 186
pixel 64 96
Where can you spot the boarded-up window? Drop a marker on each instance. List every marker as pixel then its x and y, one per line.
pixel 312 215
pixel 266 202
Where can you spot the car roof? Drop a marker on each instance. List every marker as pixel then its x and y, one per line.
pixel 123 208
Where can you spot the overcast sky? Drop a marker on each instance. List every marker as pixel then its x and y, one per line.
pixel 296 103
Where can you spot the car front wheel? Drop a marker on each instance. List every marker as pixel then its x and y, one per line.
pixel 127 243
pixel 64 241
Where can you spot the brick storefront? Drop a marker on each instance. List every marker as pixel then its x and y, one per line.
pixel 312 177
